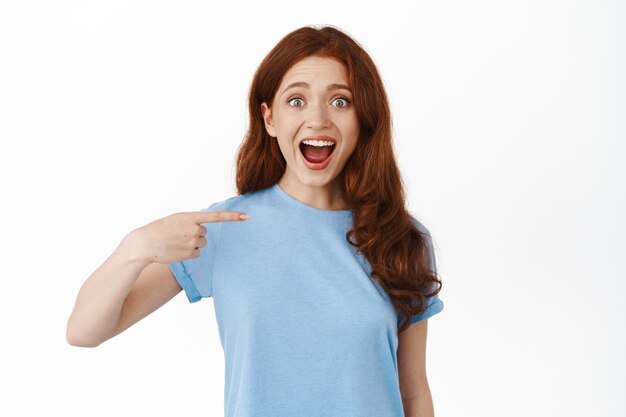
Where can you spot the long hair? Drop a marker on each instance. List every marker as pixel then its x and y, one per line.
pixel 382 230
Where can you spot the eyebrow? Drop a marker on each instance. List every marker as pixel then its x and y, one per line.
pixel 305 85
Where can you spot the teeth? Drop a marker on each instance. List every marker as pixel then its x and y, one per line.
pixel 318 142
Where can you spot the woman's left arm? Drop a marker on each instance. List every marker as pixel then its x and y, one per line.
pixel 416 398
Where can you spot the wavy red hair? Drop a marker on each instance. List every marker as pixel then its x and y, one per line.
pixel 383 231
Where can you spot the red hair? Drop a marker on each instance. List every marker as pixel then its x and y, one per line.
pixel 383 231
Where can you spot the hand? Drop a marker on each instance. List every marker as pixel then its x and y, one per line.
pixel 175 237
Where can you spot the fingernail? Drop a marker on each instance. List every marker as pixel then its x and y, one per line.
pixel 244 216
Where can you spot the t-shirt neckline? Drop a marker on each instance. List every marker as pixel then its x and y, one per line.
pixel 309 209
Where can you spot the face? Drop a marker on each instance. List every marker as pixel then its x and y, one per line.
pixel 313 100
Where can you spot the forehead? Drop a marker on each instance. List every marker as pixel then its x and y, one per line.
pixel 316 69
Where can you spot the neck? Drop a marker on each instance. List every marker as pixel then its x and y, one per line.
pixel 326 197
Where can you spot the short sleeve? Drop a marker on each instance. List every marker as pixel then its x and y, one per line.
pixel 434 303
pixel 195 275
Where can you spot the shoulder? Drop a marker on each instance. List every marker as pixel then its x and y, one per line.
pixel 220 205
pixel 237 202
pixel 419 225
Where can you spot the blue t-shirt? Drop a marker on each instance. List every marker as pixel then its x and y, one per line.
pixel 305 330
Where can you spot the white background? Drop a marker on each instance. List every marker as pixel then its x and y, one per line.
pixel 509 127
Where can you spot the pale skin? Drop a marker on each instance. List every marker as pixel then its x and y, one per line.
pixel 416 397
pixel 320 107
pixel 135 280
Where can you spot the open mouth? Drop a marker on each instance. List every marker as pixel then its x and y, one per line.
pixel 316 155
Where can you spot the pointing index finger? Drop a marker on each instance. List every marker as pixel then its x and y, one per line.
pixel 220 216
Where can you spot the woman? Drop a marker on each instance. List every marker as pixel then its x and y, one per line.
pixel 322 293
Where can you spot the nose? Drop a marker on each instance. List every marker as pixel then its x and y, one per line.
pixel 318 118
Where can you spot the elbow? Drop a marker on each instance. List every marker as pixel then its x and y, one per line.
pixel 75 337
pixel 74 341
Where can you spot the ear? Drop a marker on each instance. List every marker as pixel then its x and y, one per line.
pixel 267 117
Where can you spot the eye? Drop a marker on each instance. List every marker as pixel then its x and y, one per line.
pixel 294 98
pixel 347 102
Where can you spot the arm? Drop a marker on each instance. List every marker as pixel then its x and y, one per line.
pixel 416 397
pixel 136 279
pixel 122 291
